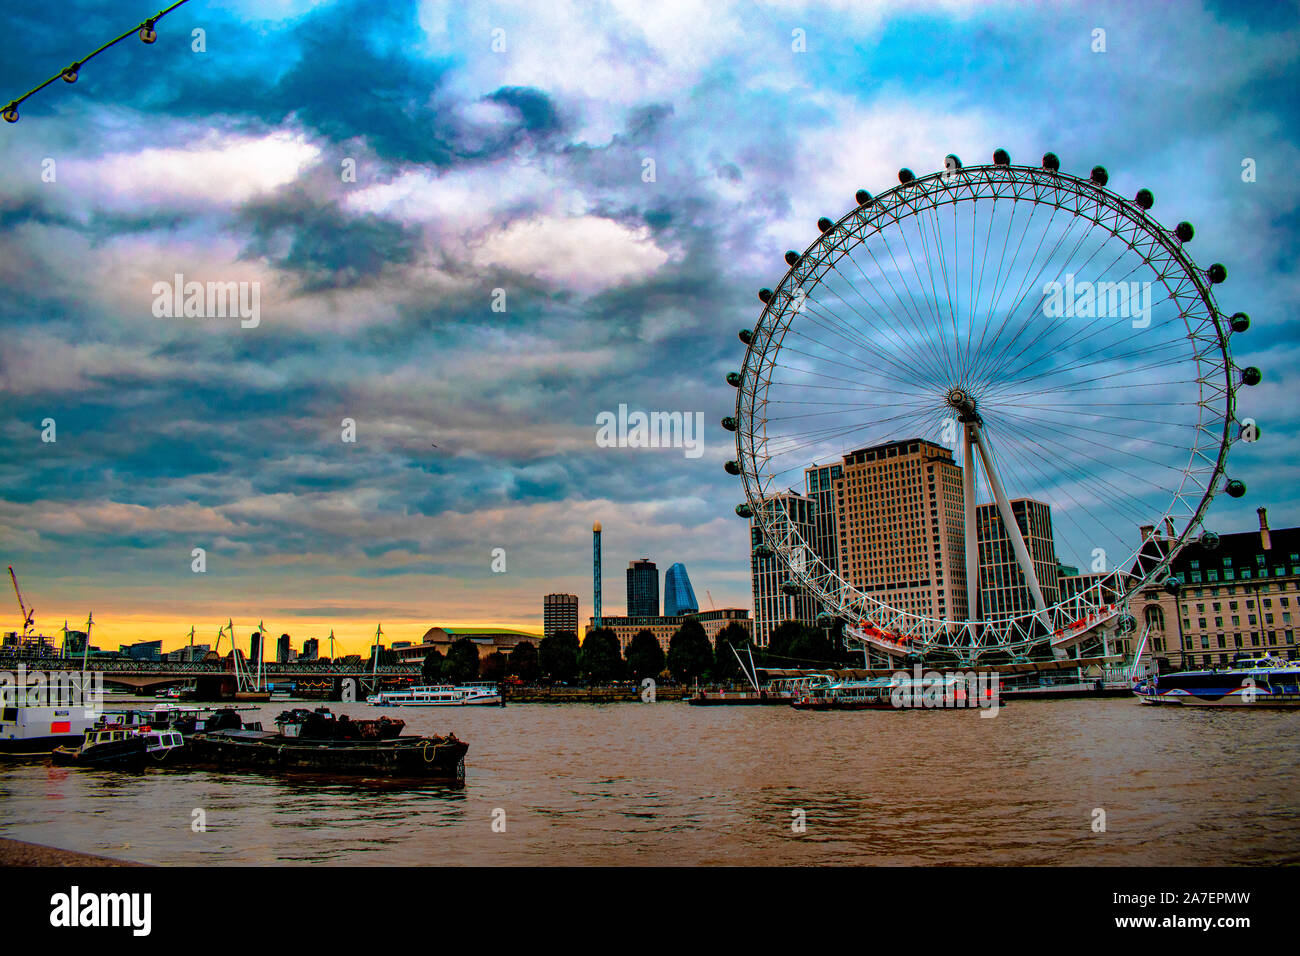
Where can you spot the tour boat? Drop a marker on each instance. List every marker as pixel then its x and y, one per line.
pixel 39 729
pixel 1251 681
pixel 439 695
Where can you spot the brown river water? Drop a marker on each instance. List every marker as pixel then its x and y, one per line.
pixel 667 783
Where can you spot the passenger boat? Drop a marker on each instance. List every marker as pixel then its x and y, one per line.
pixel 440 695
pixel 39 729
pixel 335 746
pixel 1251 681
pixel 828 694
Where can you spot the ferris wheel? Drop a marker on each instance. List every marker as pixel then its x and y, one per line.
pixel 1027 343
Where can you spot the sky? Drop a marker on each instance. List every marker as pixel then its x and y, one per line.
pixel 460 245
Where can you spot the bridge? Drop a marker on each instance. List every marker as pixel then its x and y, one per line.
pixel 216 679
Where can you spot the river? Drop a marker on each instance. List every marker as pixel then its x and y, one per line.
pixel 667 783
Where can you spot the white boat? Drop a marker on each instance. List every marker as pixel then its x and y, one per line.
pixel 1253 680
pixel 39 729
pixel 479 693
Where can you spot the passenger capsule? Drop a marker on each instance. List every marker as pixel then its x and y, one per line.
pixel 762 551
pixel 729 423
pixel 734 379
pixel 1145 198
pixel 1240 322
pixel 1251 375
pixel 1184 231
pixel 1099 175
pixel 1173 584
pixel 1216 273
pixel 905 175
pixel 731 467
pixel 1001 157
pixel 765 295
pixel 1209 540
pixel 1235 488
pixel 790 587
pixel 824 225
pixel 746 335
pixel 1051 161
pixel 744 510
pixel 862 196
pixel 791 257
pixel 951 163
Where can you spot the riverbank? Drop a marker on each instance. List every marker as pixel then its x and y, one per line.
pixel 19 853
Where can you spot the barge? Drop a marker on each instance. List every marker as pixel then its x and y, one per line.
pixel 316 742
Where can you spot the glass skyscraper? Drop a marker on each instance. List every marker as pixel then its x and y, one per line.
pixel 643 589
pixel 679 596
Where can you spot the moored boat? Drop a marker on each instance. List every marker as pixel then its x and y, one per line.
pixel 114 746
pixel 36 730
pixel 440 695
pixel 435 758
pixel 1251 681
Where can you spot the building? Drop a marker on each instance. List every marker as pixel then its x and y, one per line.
pixel 820 483
pixel 1003 591
pixel 283 650
pixel 663 628
pixel 597 569
pixel 310 650
pixel 1243 596
pixel 679 596
pixel 901 526
pixel 188 653
pixel 777 596
pixel 642 589
pixel 487 640
pixel 255 646
pixel 143 651
pixel 559 613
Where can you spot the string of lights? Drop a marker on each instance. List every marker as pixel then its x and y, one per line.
pixel 145 30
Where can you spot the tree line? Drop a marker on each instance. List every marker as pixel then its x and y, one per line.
pixel 599 659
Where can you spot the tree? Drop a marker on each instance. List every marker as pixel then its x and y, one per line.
pixel 558 656
pixel 645 656
pixel 431 670
pixel 812 648
pixel 461 664
pixel 493 667
pixel 601 659
pixel 689 653
pixel 522 662
pixel 779 644
pixel 725 665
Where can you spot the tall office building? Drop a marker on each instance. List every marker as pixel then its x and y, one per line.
pixel 310 650
pixel 825 542
pixel 642 589
pixel 679 596
pixel 559 613
pixel 1003 591
pixel 255 646
pixel 772 605
pixel 901 528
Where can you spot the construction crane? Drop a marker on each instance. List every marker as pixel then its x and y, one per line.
pixel 710 594
pixel 29 614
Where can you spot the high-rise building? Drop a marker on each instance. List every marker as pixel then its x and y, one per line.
pixel 310 650
pixel 255 646
pixel 901 526
pixel 1003 591
pixel 559 613
pixel 821 489
pixel 283 650
pixel 642 589
pixel 679 596
pixel 777 598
